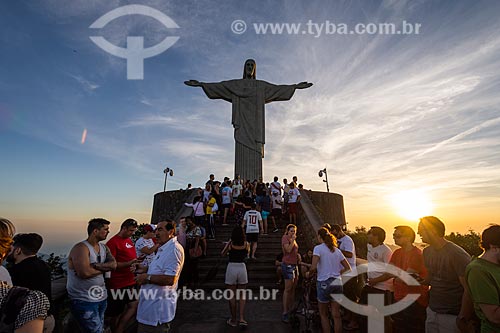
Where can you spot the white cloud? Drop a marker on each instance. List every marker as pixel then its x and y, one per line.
pixel 86 84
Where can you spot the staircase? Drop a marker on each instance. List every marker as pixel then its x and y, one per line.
pixel 261 272
pixel 263 315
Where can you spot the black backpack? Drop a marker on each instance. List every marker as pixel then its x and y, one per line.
pixel 11 307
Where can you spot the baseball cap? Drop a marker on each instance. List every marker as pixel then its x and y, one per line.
pixel 149 228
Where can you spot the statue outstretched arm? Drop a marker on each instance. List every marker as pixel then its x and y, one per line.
pixel 303 85
pixel 193 83
pixel 215 90
pixel 282 92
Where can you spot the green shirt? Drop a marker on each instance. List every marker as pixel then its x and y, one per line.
pixel 483 279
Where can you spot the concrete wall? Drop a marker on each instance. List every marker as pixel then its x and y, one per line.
pixel 318 208
pixel 330 206
pixel 170 205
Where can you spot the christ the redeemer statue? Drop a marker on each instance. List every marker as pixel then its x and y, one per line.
pixel 248 97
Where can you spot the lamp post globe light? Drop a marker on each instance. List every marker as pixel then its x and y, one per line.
pixel 321 173
pixel 168 171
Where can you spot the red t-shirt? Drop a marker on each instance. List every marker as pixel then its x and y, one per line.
pixel 410 260
pixel 289 258
pixel 123 250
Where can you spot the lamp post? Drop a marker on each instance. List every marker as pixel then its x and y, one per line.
pixel 167 172
pixel 320 173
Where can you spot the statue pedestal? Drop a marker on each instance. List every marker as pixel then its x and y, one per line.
pixel 247 162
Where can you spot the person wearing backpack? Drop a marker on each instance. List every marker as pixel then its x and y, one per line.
pixel 21 310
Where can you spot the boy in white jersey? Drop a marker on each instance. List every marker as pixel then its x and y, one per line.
pixel 253 223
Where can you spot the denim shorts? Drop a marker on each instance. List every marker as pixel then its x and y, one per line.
pixel 89 315
pixel 265 214
pixel 289 272
pixel 324 289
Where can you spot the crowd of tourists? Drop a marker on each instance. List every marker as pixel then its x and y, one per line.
pixel 218 200
pixel 452 292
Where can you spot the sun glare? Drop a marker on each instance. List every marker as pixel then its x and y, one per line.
pixel 412 204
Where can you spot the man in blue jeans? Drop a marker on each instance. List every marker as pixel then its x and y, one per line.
pixel 87 262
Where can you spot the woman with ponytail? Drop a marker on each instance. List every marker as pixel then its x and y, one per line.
pixel 330 264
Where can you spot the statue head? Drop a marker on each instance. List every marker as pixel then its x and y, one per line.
pixel 249 70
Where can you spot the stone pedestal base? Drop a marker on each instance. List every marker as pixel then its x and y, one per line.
pixel 247 162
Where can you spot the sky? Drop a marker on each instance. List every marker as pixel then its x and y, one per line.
pixel 406 124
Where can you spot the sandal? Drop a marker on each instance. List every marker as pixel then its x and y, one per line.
pixel 231 323
pixel 243 323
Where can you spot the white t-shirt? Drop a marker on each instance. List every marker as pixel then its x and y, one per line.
pixel 275 187
pixel 140 244
pixel 276 201
pixel 226 195
pixel 5 276
pixel 205 195
pixel 252 219
pixel 237 190
pixel 329 264
pixel 161 309
pixel 293 194
pixel 347 244
pixel 381 254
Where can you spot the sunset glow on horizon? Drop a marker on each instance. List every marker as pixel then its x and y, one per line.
pixel 412 204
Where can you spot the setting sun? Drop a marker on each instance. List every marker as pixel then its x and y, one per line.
pixel 412 204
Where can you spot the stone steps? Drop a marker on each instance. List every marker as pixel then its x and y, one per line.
pixel 261 272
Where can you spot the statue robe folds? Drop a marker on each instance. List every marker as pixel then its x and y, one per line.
pixel 248 97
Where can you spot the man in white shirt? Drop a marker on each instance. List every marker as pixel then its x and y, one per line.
pixel 227 199
pixel 237 188
pixel 350 287
pixel 379 254
pixel 276 186
pixel 158 295
pixel 252 223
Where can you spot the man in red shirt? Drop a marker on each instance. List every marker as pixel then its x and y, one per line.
pixel 122 248
pixel 410 259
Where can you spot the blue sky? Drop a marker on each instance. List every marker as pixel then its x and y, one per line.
pixel 387 113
